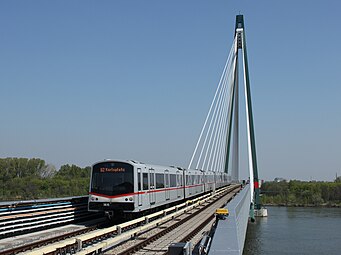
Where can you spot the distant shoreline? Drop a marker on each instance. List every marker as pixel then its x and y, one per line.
pixel 303 205
pixel 302 194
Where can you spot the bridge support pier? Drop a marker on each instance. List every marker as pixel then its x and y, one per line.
pixel 262 212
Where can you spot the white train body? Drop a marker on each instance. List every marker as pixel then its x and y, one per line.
pixel 130 186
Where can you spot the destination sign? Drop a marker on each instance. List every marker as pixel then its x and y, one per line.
pixel 112 170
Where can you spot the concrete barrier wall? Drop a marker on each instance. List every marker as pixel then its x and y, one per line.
pixel 229 237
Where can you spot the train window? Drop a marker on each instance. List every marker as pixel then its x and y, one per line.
pixel 139 181
pixel 145 181
pixel 167 178
pixel 112 178
pixel 152 183
pixel 188 180
pixel 160 181
pixel 173 180
pixel 179 180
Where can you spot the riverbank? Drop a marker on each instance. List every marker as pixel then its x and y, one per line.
pixel 302 194
pixel 305 205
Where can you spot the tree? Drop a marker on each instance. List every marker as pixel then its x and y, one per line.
pixel 47 171
pixel 22 178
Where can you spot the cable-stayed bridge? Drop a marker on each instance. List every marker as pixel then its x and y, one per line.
pixel 217 148
pixel 176 205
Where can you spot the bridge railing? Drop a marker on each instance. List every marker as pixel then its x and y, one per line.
pixel 20 217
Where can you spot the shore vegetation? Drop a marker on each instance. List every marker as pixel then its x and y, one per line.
pixel 26 179
pixel 302 193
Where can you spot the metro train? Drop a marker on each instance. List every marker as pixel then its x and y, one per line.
pixel 128 187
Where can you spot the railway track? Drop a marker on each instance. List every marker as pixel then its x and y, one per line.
pixel 118 236
pixel 182 229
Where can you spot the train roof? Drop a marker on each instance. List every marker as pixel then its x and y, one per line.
pixel 135 162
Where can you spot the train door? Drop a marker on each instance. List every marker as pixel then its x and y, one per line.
pixel 204 177
pixel 214 182
pixel 183 183
pixel 201 182
pixel 178 183
pixel 139 186
pixel 167 185
pixel 189 183
pixel 152 194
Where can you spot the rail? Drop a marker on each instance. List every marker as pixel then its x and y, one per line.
pixel 13 204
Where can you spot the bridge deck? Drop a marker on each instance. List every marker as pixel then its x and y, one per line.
pixel 229 236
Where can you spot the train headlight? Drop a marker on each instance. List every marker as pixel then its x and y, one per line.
pixel 130 199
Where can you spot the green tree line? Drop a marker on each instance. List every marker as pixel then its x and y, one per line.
pixel 301 193
pixel 23 178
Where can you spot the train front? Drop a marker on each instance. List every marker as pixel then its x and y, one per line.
pixel 112 187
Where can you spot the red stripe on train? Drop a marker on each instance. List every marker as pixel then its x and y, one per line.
pixel 116 196
pixel 142 192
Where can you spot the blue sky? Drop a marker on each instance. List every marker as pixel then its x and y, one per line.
pixel 81 81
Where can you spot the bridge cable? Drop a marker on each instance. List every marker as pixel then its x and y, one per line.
pixel 209 115
pixel 218 121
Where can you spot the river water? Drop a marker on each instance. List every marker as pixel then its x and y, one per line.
pixel 295 230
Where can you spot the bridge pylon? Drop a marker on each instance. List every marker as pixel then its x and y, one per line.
pixel 240 44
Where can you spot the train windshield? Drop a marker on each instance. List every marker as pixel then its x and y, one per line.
pixel 112 178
